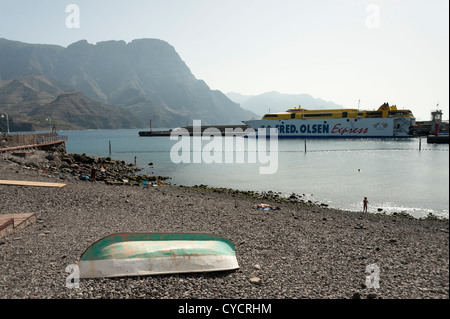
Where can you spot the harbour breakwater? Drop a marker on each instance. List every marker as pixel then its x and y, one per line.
pixel 223 129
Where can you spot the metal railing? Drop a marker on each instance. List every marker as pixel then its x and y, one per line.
pixel 50 139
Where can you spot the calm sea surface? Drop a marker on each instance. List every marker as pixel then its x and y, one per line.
pixel 394 174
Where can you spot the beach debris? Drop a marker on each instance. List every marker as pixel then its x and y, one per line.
pixel 403 214
pixel 137 254
pixel 256 281
pixel 265 207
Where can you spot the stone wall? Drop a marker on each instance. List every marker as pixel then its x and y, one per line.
pixel 14 140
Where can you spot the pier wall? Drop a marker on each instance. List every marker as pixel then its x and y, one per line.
pixel 190 129
pixel 13 140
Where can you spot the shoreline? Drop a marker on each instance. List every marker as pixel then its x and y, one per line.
pixel 297 199
pixel 299 251
pixel 385 198
pixel 67 166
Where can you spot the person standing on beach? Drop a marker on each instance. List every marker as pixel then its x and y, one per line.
pixel 365 202
pixel 93 171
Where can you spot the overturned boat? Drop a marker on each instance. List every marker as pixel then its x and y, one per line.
pixel 136 254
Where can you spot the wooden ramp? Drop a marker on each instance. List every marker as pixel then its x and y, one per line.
pixel 11 222
pixel 29 183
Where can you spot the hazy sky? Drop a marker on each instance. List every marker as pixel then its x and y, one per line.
pixel 394 51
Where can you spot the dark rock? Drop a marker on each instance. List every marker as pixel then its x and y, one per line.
pixel 356 295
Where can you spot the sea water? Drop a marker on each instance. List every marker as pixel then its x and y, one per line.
pixel 396 175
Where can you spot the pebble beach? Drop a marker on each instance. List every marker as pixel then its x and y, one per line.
pixel 296 252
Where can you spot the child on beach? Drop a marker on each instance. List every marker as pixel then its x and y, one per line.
pixel 365 202
pixel 93 173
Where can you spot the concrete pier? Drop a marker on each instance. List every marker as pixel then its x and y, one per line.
pixel 439 139
pixel 190 129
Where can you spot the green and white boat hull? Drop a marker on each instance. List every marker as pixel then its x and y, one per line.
pixel 137 254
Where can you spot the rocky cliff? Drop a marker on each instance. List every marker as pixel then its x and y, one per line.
pixel 145 77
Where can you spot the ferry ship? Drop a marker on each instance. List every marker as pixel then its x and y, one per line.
pixel 387 121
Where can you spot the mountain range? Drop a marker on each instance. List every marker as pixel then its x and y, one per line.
pixel 112 84
pixel 34 102
pixel 278 102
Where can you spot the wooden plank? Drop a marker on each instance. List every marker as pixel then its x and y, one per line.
pixel 30 183
pixel 6 227
pixel 22 220
pixel 10 222
pixel 5 221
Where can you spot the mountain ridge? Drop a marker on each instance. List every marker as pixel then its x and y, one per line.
pixel 145 77
pixel 24 98
pixel 275 101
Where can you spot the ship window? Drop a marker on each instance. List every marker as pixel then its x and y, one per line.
pixel 344 114
pixel 318 115
pixel 360 114
pixel 374 114
pixel 397 113
pixel 271 115
pixel 292 115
